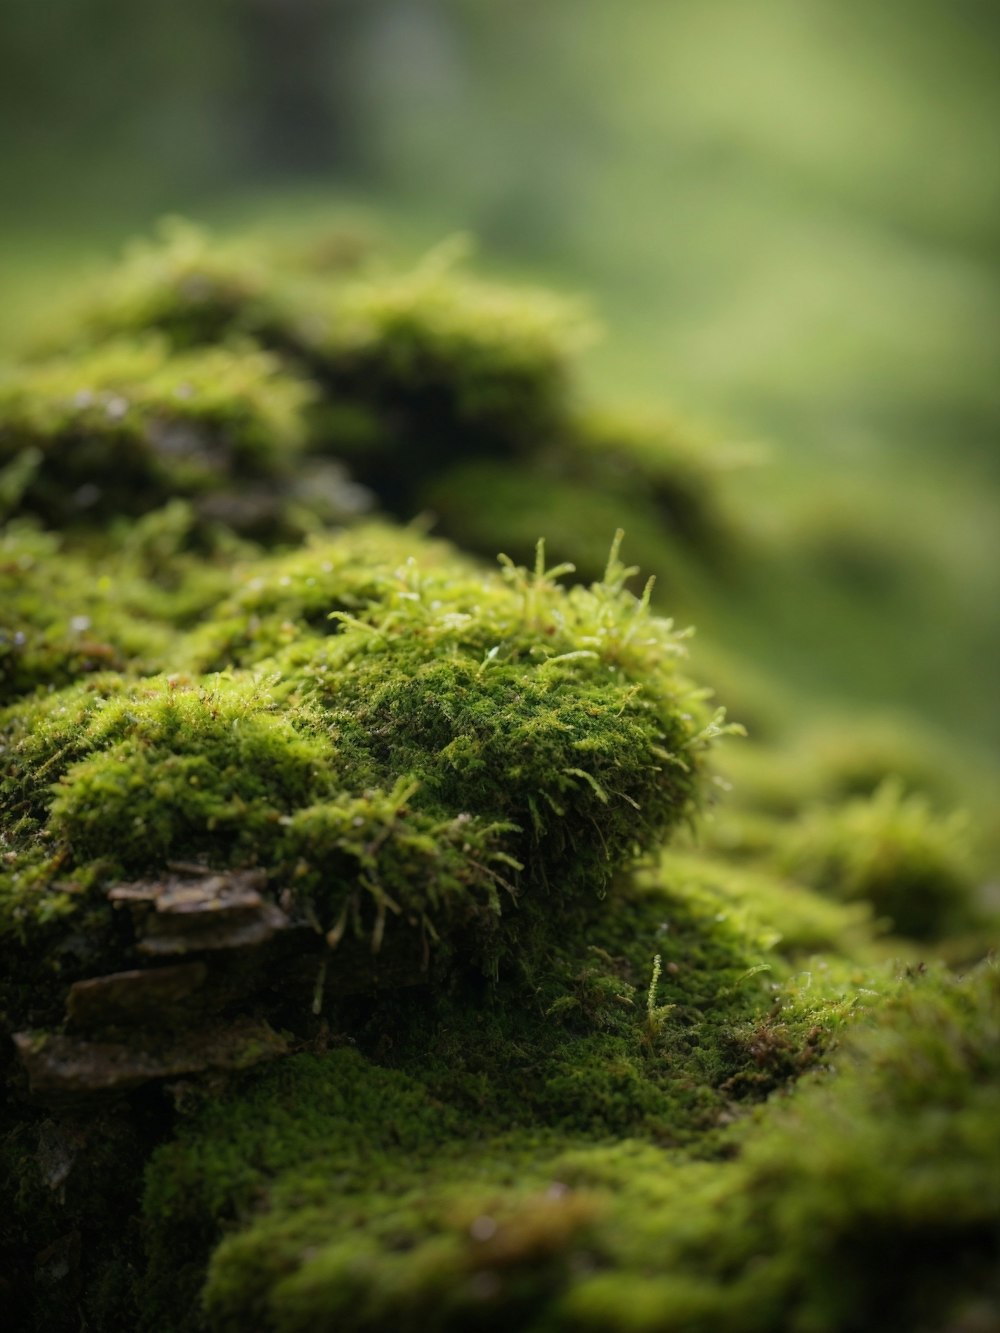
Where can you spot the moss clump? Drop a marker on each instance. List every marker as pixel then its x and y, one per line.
pixel 192 291
pixel 862 819
pixel 892 851
pixel 454 743
pixel 348 980
pixel 130 425
pixel 427 356
pixel 433 387
pixel 836 759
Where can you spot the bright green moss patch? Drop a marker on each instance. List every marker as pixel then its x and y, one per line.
pixel 455 742
pixel 271 604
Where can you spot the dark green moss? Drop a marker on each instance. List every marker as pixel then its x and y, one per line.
pixel 355 1198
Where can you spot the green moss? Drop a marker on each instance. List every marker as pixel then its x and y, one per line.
pixel 353 1198
pixel 425 357
pixel 193 290
pixel 275 602
pixel 429 381
pixel 894 852
pixel 834 759
pixel 437 756
pixel 57 621
pixel 453 365
pixel 130 425
pixel 534 1070
pixel 68 610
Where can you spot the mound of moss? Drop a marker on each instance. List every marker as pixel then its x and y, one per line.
pixel 383 944
pixel 438 391
pixel 451 739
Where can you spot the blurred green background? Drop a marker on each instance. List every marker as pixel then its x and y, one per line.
pixel 786 213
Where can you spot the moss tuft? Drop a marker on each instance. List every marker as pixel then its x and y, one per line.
pixel 892 851
pixel 130 425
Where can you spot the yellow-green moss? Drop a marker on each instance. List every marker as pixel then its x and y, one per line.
pixel 130 425
pixel 71 607
pixel 893 851
pixel 605 1085
pixel 453 744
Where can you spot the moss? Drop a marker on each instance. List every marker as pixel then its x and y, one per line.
pixel 130 425
pixel 193 290
pixel 353 1198
pixel 273 603
pixel 782 914
pixel 427 356
pixel 429 381
pixel 834 759
pixel 448 1127
pixel 67 611
pixel 398 825
pixel 450 364
pixel 437 757
pixel 894 852
pixel 55 625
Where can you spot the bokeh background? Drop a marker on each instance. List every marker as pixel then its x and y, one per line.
pixel 786 212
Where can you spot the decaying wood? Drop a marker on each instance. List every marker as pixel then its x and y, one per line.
pixel 151 997
pixel 63 1069
pixel 183 913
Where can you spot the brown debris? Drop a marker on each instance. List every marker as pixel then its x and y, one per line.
pixel 64 1069
pixel 199 909
pixel 139 998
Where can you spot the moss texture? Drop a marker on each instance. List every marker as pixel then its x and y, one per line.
pixel 385 941
pixel 410 1215
pixel 425 383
